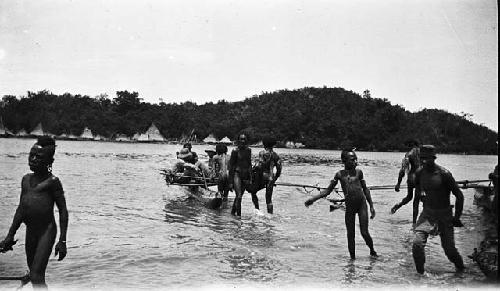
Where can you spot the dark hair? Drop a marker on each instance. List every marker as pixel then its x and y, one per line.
pixel 345 152
pixel 269 142
pixel 412 142
pixel 245 134
pixel 45 141
pixel 220 148
pixel 48 143
pixel 188 144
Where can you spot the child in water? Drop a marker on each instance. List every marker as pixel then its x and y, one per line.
pixel 40 190
pixel 356 195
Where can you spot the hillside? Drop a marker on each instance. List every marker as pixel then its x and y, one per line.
pixel 327 118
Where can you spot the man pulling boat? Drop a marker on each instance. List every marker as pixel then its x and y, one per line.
pixel 433 185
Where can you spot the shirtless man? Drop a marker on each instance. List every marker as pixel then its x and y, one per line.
pixel 268 160
pixel 240 167
pixel 39 192
pixel 410 164
pixel 433 185
pixel 356 195
pixel 221 167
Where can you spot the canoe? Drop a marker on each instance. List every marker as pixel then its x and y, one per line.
pixel 197 188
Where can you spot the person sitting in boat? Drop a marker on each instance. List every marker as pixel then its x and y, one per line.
pixel 189 147
pixel 187 169
pixel 221 169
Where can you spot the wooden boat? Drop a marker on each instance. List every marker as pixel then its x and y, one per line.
pixel 197 186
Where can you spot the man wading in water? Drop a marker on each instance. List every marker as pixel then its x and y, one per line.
pixel 410 164
pixel 268 160
pixel 240 169
pixel 39 192
pixel 356 195
pixel 433 185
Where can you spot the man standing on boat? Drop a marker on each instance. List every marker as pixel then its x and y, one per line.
pixel 433 185
pixel 410 164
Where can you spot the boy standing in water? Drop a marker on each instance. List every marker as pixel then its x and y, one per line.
pixel 433 185
pixel 240 168
pixel 268 160
pixel 221 167
pixel 356 195
pixel 39 192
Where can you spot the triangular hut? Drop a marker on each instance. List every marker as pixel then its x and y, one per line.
pixel 226 140
pixel 154 134
pixel 87 134
pixel 210 139
pixel 38 131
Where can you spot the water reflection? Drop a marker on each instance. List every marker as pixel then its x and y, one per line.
pixel 356 271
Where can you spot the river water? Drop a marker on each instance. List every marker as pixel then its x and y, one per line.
pixel 129 230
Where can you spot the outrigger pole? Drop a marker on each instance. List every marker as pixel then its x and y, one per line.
pixel 11 278
pixel 462 184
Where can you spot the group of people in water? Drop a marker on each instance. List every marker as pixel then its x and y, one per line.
pixel 427 182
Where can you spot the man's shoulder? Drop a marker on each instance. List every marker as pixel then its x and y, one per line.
pixel 54 181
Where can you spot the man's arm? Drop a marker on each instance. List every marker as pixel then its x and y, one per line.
pixel 406 199
pixel 459 200
pixel 368 196
pixel 323 193
pixel 9 241
pixel 404 166
pixel 416 202
pixel 63 219
pixel 278 167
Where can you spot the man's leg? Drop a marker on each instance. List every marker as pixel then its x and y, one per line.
pixel 269 197
pixel 238 189
pixel 350 221
pixel 363 226
pixel 448 243
pixel 418 250
pixel 42 254
pixel 255 200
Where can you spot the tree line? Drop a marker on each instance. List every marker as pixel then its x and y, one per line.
pixel 323 118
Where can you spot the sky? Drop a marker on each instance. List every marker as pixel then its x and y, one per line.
pixel 416 53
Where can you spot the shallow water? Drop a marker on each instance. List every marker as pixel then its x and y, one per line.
pixel 129 230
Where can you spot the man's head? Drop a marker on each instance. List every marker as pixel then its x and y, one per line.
pixel 412 143
pixel 186 155
pixel 41 155
pixel 210 153
pixel 220 148
pixel 349 158
pixel 187 146
pixel 242 139
pixel 269 142
pixel 427 155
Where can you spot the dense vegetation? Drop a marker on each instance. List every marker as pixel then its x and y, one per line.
pixel 328 118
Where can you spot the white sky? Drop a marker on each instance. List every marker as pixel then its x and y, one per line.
pixel 416 53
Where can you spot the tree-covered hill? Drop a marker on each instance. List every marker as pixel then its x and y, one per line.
pixel 328 118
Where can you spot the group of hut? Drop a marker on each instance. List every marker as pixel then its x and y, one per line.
pixel 152 134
